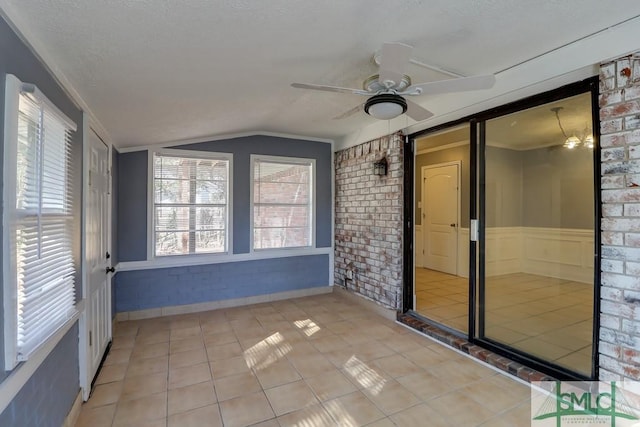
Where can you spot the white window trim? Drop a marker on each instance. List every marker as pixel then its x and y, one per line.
pixel 151 234
pixel 13 88
pixel 292 160
pixel 12 100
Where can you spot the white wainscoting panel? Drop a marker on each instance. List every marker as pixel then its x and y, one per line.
pixel 503 250
pixel 463 252
pixel 561 253
pixel 553 252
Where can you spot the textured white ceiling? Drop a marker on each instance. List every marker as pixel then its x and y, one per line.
pixel 155 71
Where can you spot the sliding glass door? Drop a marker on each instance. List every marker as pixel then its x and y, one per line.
pixel 537 240
pixel 442 189
pixel 506 242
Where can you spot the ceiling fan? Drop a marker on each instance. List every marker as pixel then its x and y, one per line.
pixel 387 89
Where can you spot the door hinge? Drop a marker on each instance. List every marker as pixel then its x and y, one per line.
pixel 90 340
pixel 89 177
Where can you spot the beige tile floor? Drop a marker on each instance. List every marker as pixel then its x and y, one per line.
pixel 308 362
pixel 543 316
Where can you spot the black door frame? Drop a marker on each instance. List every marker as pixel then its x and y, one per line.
pixel 476 249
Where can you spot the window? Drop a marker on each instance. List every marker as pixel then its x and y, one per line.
pixel 191 202
pixel 39 267
pixel 282 202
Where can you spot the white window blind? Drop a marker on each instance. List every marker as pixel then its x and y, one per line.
pixel 191 203
pixel 39 271
pixel 282 203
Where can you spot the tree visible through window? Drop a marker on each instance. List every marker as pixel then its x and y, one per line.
pixel 190 204
pixel 282 203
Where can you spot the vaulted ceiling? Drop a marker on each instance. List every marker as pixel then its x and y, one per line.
pixel 157 71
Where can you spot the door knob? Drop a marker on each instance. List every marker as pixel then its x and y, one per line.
pixel 110 270
pixel 452 224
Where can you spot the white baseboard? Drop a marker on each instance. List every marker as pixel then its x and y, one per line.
pixel 214 305
pixel 74 413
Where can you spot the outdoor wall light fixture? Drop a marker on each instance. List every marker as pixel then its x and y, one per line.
pixel 380 167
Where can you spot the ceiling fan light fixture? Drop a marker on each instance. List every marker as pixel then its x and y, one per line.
pixel 385 106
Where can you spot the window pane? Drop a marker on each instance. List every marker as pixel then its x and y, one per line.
pixel 211 192
pixel 210 218
pixel 212 170
pixel 267 238
pixel 282 203
pixel 172 191
pixel 41 276
pixel 281 172
pixel 172 218
pixel 172 243
pixel 168 167
pixel 210 241
pixel 190 196
pixel 280 216
pixel 278 192
pixel 27 193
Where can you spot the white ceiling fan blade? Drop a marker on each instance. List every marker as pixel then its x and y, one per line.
pixel 350 112
pixel 330 88
pixel 416 112
pixel 456 85
pixel 393 61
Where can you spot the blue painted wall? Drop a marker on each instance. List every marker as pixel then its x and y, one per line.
pixel 40 403
pixel 132 206
pixel 45 398
pixel 132 190
pixel 152 288
pixel 142 289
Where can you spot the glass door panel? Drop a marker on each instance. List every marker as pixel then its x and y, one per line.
pixel 537 215
pixel 442 194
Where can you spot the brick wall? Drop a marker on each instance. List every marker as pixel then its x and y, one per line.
pixel 620 276
pixel 368 221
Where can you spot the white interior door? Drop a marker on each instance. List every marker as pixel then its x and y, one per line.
pixel 440 188
pixel 98 289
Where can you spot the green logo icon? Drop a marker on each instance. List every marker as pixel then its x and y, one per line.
pixel 584 403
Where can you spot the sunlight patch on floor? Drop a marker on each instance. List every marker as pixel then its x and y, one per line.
pixel 307 326
pixel 267 351
pixel 364 375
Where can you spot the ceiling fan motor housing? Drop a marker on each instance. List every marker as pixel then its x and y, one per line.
pixel 385 106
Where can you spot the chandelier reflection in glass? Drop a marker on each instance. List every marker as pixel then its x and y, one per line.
pixel 574 141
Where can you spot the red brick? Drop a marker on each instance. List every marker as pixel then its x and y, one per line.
pixel 621 109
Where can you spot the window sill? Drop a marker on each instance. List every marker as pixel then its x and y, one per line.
pixel 186 260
